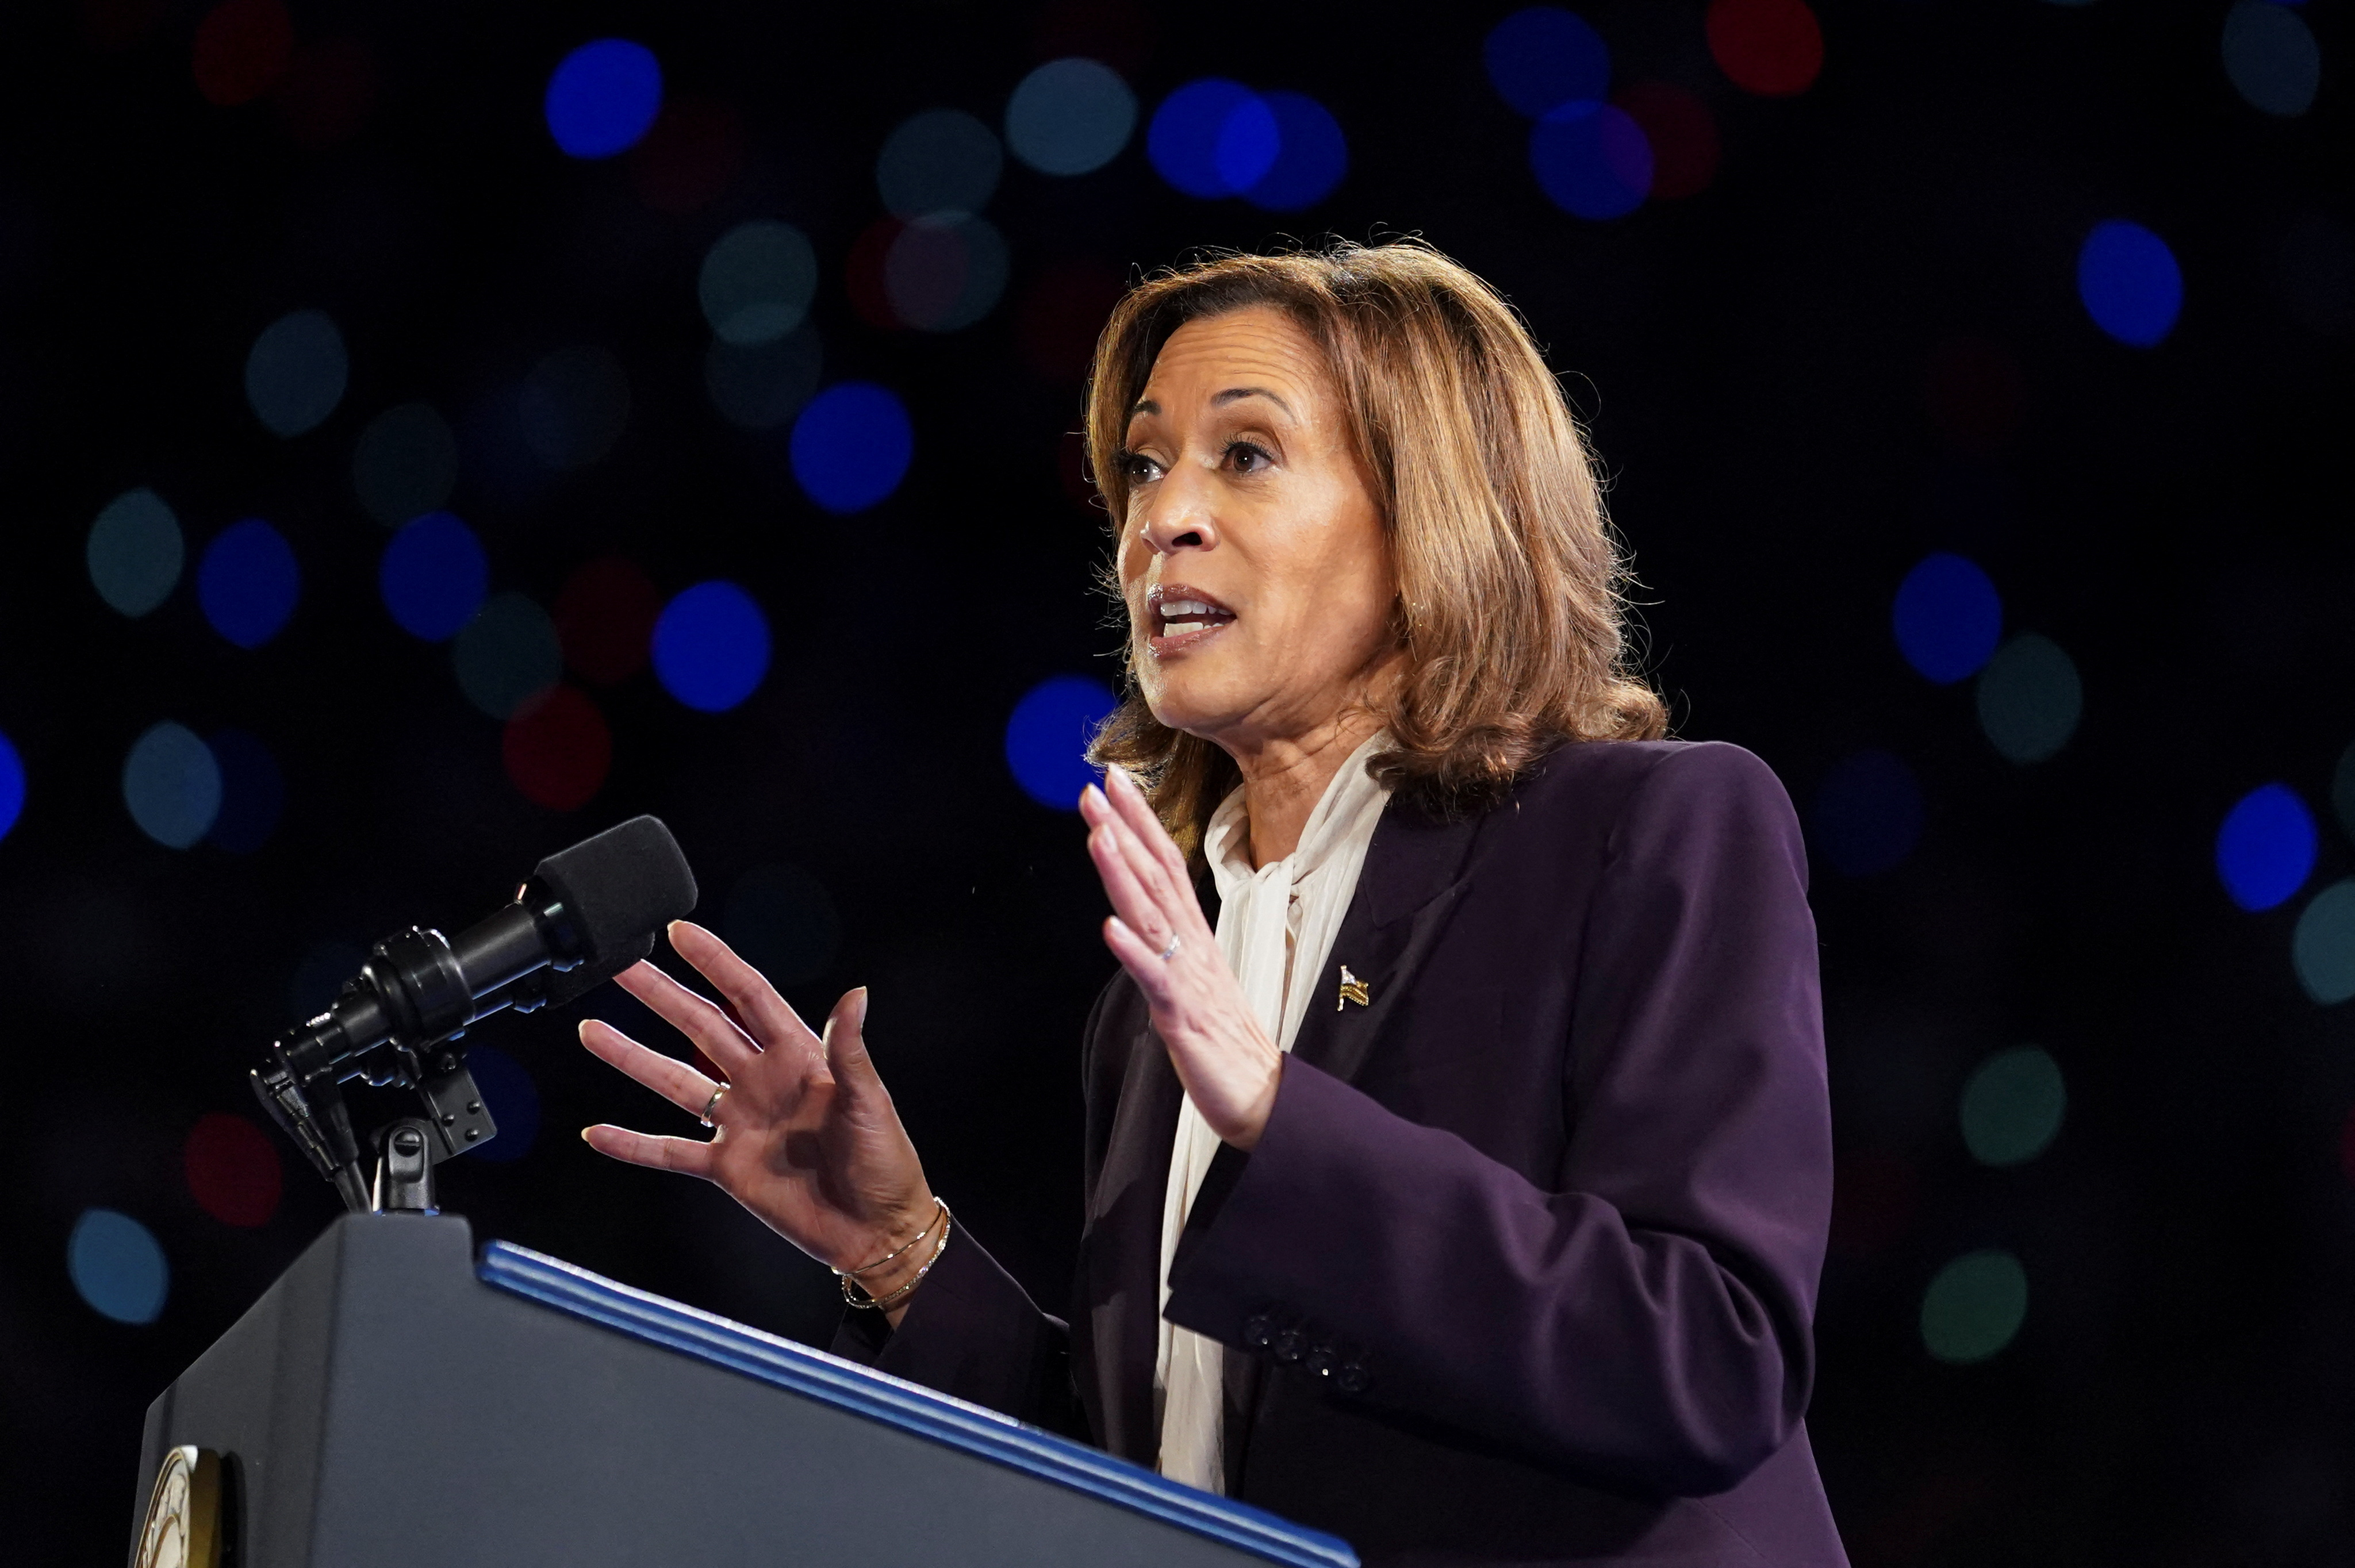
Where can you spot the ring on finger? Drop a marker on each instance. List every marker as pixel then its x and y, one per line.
pixel 1171 951
pixel 712 1104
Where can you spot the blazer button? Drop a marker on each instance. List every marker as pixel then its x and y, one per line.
pixel 1319 1360
pixel 1259 1331
pixel 1287 1346
pixel 1350 1377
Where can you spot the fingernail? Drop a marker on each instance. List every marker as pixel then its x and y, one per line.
pixel 862 1007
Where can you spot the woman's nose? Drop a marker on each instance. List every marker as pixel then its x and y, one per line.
pixel 1178 522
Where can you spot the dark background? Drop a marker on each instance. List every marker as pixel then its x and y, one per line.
pixel 1755 364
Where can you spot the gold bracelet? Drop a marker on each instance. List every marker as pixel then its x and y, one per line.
pixel 939 1209
pixel 881 1303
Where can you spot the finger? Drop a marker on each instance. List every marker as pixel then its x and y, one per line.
pixel 1141 960
pixel 846 1044
pixel 697 1018
pixel 764 1015
pixel 1129 800
pixel 671 1078
pixel 1129 899
pixel 1150 874
pixel 687 1156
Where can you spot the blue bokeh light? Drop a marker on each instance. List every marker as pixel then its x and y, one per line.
pixel 2130 284
pixel 507 654
pixel 296 373
pixel 852 446
pixel 2267 846
pixel 253 791
pixel 135 553
pixel 1542 58
pixel 511 1097
pixel 12 785
pixel 433 576
pixel 945 272
pixel 1070 117
pixel 1591 160
pixel 247 582
pixel 2322 948
pixel 405 463
pixel 712 646
pixel 942 160
pixel 1311 155
pixel 117 1266
pixel 1213 138
pixel 2271 58
pixel 756 281
pixel 1947 616
pixel 172 785
pixel 1046 737
pixel 603 97
pixel 1867 813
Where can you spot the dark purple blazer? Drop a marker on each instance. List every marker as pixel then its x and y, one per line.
pixel 1523 1268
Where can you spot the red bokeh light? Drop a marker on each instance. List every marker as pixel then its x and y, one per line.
pixel 1682 133
pixel 1975 391
pixel 242 48
pixel 1771 47
pixel 327 93
pixel 606 619
pixel 556 750
pixel 1060 314
pixel 870 295
pixel 233 1170
pixel 1872 1202
pixel 693 154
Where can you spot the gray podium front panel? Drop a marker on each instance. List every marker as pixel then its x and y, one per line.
pixel 388 1403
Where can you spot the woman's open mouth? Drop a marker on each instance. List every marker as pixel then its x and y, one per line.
pixel 1183 618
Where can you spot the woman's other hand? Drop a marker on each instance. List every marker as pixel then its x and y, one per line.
pixel 805 1136
pixel 1226 1061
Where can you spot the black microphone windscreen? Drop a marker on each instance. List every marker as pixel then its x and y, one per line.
pixel 620 888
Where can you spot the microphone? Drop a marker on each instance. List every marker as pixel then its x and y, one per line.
pixel 587 914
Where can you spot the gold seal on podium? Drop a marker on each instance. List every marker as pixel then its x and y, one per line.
pixel 184 1514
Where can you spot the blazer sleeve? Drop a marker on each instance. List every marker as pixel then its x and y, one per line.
pixel 1647 1316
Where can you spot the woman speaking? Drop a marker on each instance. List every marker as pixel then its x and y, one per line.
pixel 1461 1188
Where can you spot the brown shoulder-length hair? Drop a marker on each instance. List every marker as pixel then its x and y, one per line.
pixel 1510 608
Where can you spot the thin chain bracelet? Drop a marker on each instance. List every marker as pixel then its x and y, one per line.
pixel 939 1209
pixel 881 1303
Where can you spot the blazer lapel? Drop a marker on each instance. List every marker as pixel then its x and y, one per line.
pixel 1122 1247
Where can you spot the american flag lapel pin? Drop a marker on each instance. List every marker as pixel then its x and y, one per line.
pixel 1352 989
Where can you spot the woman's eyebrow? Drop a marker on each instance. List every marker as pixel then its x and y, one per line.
pixel 1233 394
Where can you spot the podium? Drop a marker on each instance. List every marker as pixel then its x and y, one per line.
pixel 395 1399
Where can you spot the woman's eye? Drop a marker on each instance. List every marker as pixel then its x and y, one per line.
pixel 1138 469
pixel 1248 457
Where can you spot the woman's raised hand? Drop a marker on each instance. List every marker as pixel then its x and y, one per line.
pixel 1229 1066
pixel 805 1136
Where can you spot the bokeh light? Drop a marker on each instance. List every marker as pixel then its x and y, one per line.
pixel 1947 618
pixel 574 404
pixel 2030 699
pixel 1311 155
pixel 1681 133
pixel 1213 138
pixel 712 646
pixel 12 785
pixel 690 157
pixel 135 552
pixel 511 1097
pixel 556 750
pixel 117 1266
pixel 757 281
pixel 2322 948
pixel 252 791
pixel 327 92
pixel 1974 1307
pixel 781 921
pixel 433 576
pixel 852 446
pixel 606 619
pixel 1046 737
pixel 507 655
pixel 232 1169
pixel 2265 848
pixel 2130 284
pixel 1591 160
pixel 1070 116
pixel 296 373
pixel 762 386
pixel 1867 813
pixel 2271 58
pixel 242 48
pixel 1062 310
pixel 247 582
pixel 2012 1107
pixel 1543 57
pixel 172 784
pixel 405 463
pixel 1771 47
pixel 602 97
pixel 1974 392
pixel 945 272
pixel 942 160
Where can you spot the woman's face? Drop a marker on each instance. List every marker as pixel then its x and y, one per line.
pixel 1253 557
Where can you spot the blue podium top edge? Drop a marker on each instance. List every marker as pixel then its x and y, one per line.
pixel 815 1375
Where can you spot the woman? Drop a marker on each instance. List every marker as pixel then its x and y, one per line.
pixel 1463 1190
